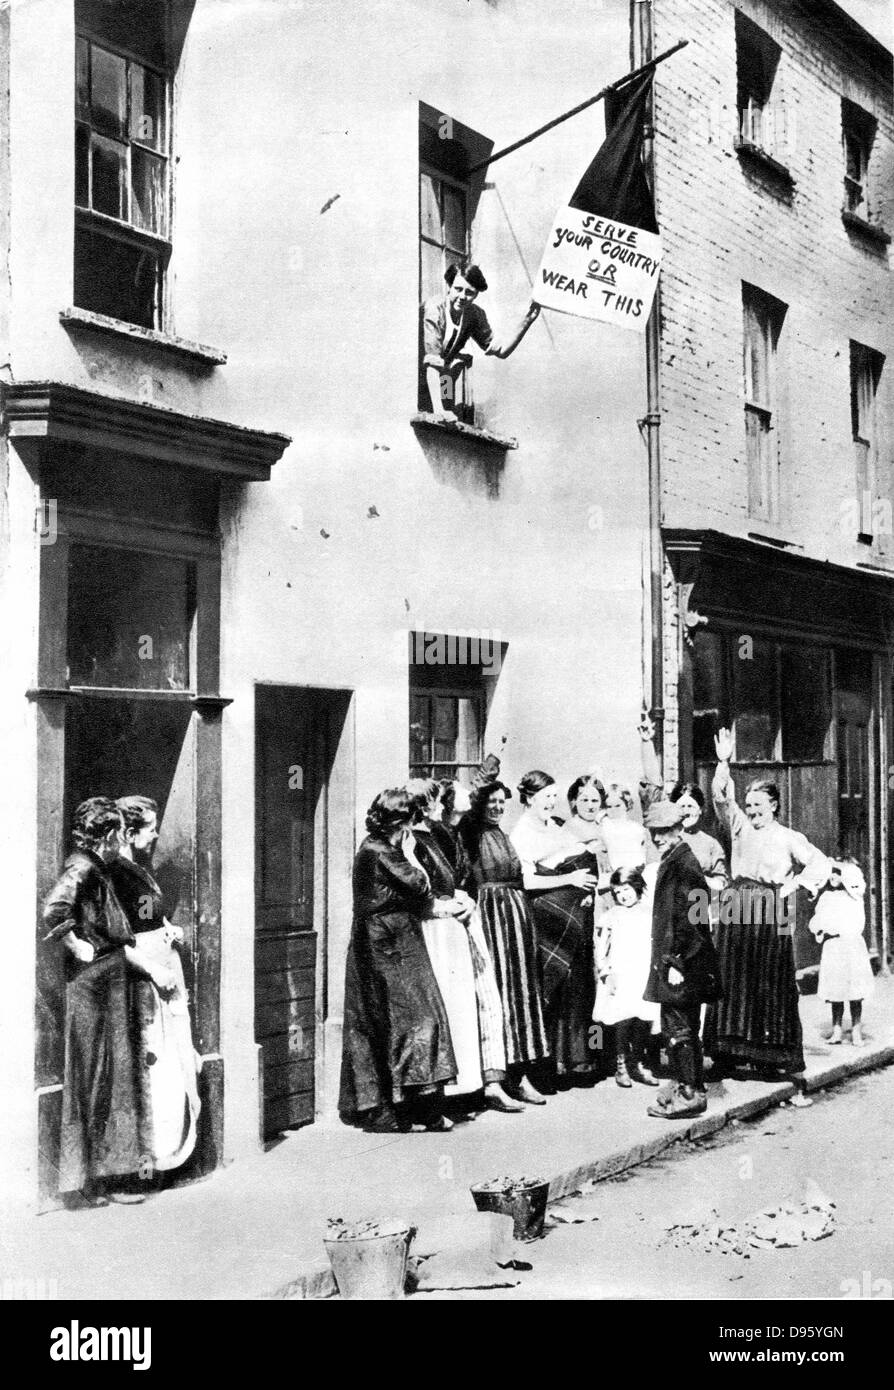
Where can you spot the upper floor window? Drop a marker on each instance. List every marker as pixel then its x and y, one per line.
pixel 762 321
pixel 858 134
pixel 757 60
pixel 451 181
pixel 444 239
pixel 122 167
pixel 866 369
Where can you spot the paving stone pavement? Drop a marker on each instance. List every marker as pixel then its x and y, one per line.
pixel 255 1229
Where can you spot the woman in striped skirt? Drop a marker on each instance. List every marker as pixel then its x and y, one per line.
pixel 496 873
pixel 758 1021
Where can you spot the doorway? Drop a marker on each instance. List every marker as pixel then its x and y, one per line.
pixel 298 732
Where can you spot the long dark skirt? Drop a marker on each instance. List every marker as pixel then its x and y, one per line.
pixel 757 1020
pixel 565 945
pixel 105 1130
pixel 396 1035
pixel 512 942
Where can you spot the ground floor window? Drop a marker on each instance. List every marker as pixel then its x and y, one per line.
pixel 450 680
pixel 775 696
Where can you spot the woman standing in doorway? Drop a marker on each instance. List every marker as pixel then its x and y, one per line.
pixel 105 1121
pixel 166 1060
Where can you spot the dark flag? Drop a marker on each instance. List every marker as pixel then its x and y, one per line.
pixel 615 185
pixel 604 252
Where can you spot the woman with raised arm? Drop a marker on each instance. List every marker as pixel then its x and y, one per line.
pixel 758 1021
pixel 691 800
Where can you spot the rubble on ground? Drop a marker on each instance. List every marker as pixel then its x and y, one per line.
pixel 574 1210
pixel 781 1227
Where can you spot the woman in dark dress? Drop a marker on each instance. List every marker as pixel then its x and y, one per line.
pixel 496 873
pixel 396 1044
pixel 103 1137
pixel 165 1057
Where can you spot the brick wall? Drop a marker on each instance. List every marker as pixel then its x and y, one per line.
pixel 723 222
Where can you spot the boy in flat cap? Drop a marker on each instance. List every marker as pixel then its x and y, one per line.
pixel 684 972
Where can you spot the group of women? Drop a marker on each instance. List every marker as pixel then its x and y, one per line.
pixel 476 957
pixel 130 1102
pixel 478 961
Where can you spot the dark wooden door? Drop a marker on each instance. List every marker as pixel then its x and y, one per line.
pixel 858 780
pixel 292 763
pixel 854 721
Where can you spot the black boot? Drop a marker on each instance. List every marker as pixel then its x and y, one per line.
pixel 687 1099
pixel 691 1098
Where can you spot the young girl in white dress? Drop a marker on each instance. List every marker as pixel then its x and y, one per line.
pixel 625 840
pixel 623 955
pixel 845 969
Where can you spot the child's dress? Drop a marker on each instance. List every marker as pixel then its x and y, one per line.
pixel 623 953
pixel 625 842
pixel 845 970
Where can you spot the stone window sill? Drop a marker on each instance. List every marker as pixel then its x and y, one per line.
pixel 775 541
pixel 755 154
pixel 146 337
pixel 424 420
pixel 855 223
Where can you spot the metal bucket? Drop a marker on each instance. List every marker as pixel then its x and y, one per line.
pixel 525 1203
pixel 371 1266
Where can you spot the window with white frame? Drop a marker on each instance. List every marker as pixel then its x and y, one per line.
pixel 762 324
pixel 757 61
pixel 866 369
pixel 122 169
pixel 858 129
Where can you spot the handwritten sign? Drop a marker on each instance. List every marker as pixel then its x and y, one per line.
pixel 599 269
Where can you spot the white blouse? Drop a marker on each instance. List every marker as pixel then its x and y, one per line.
pixel 771 854
pixel 533 841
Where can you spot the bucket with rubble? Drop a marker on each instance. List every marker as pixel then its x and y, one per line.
pixel 524 1199
pixel 369 1258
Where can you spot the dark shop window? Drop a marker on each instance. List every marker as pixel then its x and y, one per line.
pixel 129 619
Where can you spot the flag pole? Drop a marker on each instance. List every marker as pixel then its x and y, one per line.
pixel 576 110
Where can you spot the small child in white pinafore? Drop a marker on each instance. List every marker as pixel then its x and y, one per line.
pixel 623 960
pixel 845 969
